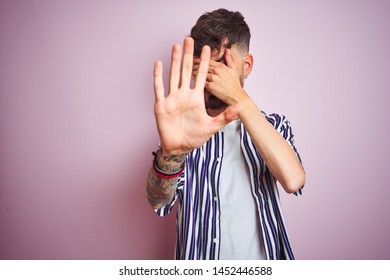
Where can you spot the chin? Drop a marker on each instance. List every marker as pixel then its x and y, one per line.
pixel 213 102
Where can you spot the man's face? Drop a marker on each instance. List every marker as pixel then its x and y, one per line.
pixel 211 101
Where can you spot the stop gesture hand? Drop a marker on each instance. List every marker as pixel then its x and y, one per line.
pixel 182 121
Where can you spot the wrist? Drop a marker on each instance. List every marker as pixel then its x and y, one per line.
pixel 169 163
pixel 245 104
pixel 165 175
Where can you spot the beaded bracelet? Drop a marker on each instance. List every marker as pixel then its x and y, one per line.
pixel 164 175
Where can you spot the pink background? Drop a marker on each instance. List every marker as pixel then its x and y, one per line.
pixel 77 126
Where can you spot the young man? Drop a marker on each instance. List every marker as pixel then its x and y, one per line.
pixel 219 154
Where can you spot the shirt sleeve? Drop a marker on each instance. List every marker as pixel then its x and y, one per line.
pixel 283 126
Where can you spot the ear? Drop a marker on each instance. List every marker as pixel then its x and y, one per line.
pixel 248 64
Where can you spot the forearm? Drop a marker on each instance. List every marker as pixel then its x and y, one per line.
pixel 274 149
pixel 160 191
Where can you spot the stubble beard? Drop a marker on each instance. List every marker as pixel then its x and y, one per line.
pixel 212 102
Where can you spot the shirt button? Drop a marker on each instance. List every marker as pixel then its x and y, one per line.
pixel 215 198
pixel 215 240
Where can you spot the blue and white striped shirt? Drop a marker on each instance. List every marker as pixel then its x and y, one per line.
pixel 198 212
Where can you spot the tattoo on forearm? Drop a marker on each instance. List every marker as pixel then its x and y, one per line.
pixel 159 191
pixel 170 164
pixel 175 158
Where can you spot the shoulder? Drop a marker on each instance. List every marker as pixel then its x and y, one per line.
pixel 278 121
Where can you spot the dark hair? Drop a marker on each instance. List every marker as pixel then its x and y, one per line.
pixel 220 28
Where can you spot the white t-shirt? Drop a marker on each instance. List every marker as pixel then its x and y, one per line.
pixel 240 224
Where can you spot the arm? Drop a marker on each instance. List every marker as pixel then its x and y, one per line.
pixel 274 149
pixel 224 82
pixel 160 191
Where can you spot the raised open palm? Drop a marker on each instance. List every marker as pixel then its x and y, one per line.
pixel 182 121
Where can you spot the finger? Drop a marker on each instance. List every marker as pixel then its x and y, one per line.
pixel 193 75
pixel 209 78
pixel 203 67
pixel 209 86
pixel 213 63
pixel 187 62
pixel 229 59
pixel 158 80
pixel 214 67
pixel 174 75
pixel 195 68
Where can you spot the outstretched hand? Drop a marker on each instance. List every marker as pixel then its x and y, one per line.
pixel 182 121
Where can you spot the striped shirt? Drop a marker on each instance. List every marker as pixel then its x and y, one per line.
pixel 198 212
